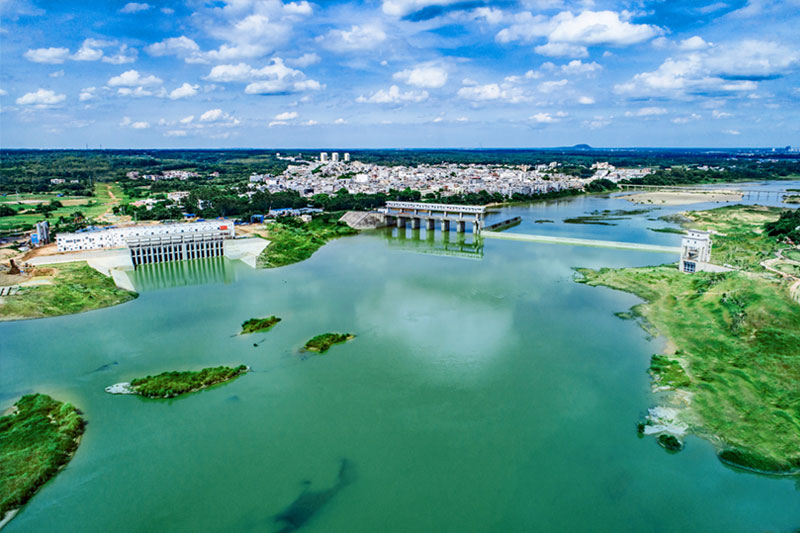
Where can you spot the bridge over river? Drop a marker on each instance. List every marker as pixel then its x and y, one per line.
pixel 746 193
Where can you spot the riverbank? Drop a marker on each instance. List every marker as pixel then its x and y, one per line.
pixel 732 363
pixel 73 288
pixel 37 439
pixel 293 241
pixel 681 198
pixel 173 384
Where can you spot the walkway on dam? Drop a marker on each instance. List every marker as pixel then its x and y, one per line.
pixel 527 237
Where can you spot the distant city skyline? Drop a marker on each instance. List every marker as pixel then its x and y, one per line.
pixel 399 74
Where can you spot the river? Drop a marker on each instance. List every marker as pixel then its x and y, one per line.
pixel 485 391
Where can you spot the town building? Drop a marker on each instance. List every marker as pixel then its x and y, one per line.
pixel 323 157
pixel 335 157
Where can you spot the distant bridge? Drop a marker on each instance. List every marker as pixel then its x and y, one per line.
pixel 749 194
pixel 401 213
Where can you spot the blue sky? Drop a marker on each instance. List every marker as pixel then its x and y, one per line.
pixel 399 73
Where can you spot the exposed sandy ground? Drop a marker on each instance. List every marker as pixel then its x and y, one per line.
pixel 680 198
pixel 250 230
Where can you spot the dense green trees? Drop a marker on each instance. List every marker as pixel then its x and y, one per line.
pixel 36 441
pixel 259 324
pixel 787 226
pixel 171 384
pixel 321 343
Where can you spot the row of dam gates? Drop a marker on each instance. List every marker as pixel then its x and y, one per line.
pixel 414 213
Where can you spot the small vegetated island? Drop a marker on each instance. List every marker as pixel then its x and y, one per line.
pixel 292 240
pixel 732 365
pixel 38 438
pixel 255 325
pixel 172 384
pixel 66 289
pixel 321 343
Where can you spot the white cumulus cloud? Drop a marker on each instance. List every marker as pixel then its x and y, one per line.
pixel 423 76
pixel 134 7
pixel 543 118
pixel 184 91
pixel 41 98
pixel 178 46
pixel 132 78
pixel 90 50
pixel 53 56
pixel 364 37
pixel 568 34
pixel 125 55
pixel 393 95
pixel 724 69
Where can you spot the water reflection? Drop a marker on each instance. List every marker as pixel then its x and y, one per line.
pixel 182 273
pixel 463 245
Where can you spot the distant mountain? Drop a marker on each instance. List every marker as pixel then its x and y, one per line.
pixel 582 147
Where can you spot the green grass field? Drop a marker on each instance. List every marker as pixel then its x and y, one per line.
pixel 91 207
pixel 743 245
pixel 738 338
pixel 36 441
pixel 77 287
pixel 292 242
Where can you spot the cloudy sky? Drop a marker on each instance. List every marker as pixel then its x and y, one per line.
pixel 399 73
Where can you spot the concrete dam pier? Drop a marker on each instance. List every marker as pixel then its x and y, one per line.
pixel 176 247
pixel 414 213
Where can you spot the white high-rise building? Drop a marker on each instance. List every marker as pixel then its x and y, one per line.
pixel 323 157
pixel 346 157
pixel 335 157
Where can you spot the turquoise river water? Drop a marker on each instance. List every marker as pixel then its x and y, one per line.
pixel 485 391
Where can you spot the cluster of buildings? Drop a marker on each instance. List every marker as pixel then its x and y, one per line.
pixel 60 181
pixel 605 170
pixel 167 175
pixel 330 175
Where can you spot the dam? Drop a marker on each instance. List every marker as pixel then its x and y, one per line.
pixel 402 213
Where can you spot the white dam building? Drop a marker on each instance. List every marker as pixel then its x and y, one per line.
pixel 157 243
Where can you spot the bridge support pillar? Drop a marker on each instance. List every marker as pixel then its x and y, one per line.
pixel 476 228
pixel 415 221
pixel 430 224
pixel 445 225
pixel 461 226
pixel 401 222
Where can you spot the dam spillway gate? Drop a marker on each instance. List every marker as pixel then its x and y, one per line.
pixel 180 247
pixel 401 213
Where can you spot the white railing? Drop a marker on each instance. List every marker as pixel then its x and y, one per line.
pixel 442 208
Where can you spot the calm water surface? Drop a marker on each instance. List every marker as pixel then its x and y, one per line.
pixel 485 391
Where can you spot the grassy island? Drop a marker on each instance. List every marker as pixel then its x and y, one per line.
pixel 321 343
pixel 733 357
pixel 293 241
pixel 259 324
pixel 74 288
pixel 172 384
pixel 37 439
